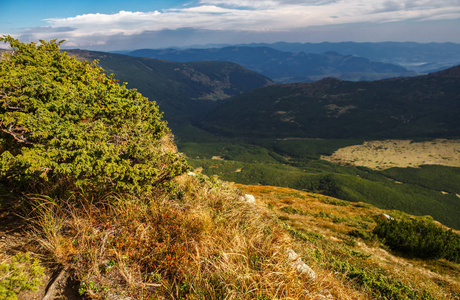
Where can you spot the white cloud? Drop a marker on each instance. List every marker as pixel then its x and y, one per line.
pixel 248 16
pixel 124 16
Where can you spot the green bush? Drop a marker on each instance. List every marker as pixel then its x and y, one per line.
pixel 66 125
pixel 419 238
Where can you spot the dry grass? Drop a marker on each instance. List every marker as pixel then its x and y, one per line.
pixel 326 222
pixel 399 153
pixel 201 243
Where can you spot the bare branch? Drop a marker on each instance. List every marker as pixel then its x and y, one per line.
pixel 18 136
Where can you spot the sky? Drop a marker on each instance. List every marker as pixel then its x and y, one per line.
pixel 134 24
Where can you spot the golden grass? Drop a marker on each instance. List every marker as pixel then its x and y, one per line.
pixel 201 243
pixel 334 219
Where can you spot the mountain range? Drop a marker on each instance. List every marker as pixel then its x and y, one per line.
pixel 285 67
pixel 258 132
pixel 226 98
pixel 417 57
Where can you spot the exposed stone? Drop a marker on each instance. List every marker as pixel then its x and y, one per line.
pixel 302 268
pixel 248 198
pixel 385 217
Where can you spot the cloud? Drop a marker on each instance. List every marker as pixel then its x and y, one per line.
pixel 258 17
pixel 49 29
pixel 430 31
pixel 266 4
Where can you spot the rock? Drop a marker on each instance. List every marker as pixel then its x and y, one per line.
pixel 302 268
pixel 385 217
pixel 248 198
pixel 191 174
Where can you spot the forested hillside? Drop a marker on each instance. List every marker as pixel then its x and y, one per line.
pixel 184 91
pixel 423 106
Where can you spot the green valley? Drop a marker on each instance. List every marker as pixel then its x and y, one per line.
pixel 428 190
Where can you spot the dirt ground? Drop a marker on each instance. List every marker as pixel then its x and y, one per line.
pixel 386 154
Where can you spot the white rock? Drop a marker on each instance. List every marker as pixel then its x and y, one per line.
pixel 386 217
pixel 191 174
pixel 292 256
pixel 248 198
pixel 301 267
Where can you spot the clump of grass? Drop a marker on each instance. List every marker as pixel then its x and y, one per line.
pixel 293 210
pixel 362 234
pixel 306 236
pixel 332 201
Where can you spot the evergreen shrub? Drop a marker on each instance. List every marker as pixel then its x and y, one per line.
pixel 65 125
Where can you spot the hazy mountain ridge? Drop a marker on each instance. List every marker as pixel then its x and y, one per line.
pixel 418 57
pixel 285 67
pixel 423 106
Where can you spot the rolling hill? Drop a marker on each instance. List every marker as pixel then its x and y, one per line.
pixel 422 106
pixel 285 67
pixel 279 135
pixel 182 90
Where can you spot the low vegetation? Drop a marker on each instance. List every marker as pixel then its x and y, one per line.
pixel 419 238
pixel 342 239
pixel 21 274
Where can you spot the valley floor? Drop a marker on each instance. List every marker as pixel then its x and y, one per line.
pixel 380 155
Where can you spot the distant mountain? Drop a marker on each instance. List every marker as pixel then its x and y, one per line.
pixel 423 106
pixel 285 67
pixel 182 90
pixel 417 57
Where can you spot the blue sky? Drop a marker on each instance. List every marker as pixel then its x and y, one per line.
pixel 124 25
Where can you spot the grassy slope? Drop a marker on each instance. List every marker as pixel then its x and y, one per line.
pixel 337 236
pixel 205 243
